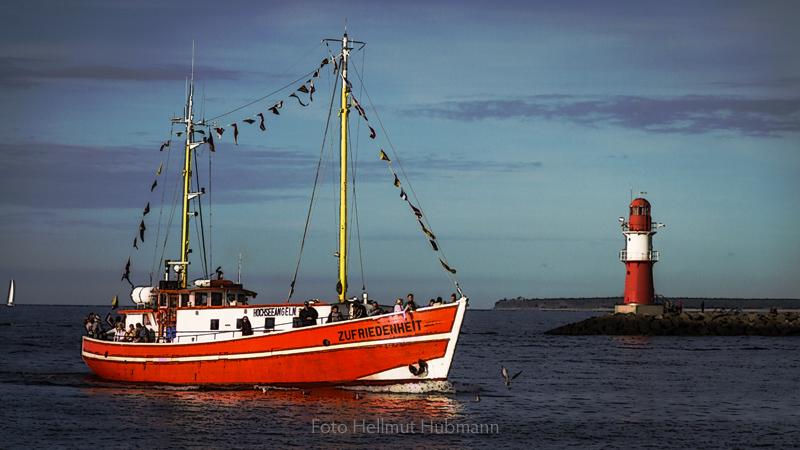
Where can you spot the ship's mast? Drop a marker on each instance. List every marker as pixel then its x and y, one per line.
pixel 181 267
pixel 344 162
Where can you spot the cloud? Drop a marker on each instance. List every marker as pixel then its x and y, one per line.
pixel 688 114
pixel 28 72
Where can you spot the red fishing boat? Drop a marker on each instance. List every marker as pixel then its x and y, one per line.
pixel 198 333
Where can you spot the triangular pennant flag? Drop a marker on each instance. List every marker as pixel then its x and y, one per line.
pixel 359 109
pixel 403 194
pixel 426 230
pixel 146 209
pixel 249 120
pixel 235 133
pixel 134 243
pixel 316 72
pixel 109 320
pixel 155 183
pixel 453 271
pixel 263 128
pixel 335 66
pixel 433 244
pixel 311 91
pixel 178 133
pixel 127 273
pixel 347 83
pixel 165 144
pixel 210 142
pixel 324 61
pixel 141 231
pixel 275 108
pixel 199 131
pixel 396 181
pixel 417 212
pixel 115 302
pixel 298 99
pixel 383 156
pixel 219 131
pixel 371 132
pixel 159 168
pixel 303 89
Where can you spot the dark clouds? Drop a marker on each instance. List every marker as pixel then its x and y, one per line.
pixel 688 114
pixel 26 73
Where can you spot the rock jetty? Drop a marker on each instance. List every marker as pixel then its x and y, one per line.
pixel 684 324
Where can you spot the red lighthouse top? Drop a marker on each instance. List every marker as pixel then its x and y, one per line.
pixel 640 215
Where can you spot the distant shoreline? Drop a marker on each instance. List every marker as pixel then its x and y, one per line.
pixel 607 303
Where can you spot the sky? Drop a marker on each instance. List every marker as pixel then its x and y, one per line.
pixel 524 129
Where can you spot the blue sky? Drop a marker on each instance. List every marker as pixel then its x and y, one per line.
pixel 521 125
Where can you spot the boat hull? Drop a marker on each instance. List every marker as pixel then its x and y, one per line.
pixel 374 350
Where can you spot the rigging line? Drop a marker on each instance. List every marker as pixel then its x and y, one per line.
pixel 276 91
pixel 210 212
pixel 314 196
pixel 355 201
pixel 397 158
pixel 153 267
pixel 203 254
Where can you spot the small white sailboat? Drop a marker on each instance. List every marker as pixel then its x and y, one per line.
pixel 11 293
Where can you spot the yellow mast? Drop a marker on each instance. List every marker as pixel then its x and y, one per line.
pixel 187 181
pixel 181 267
pixel 342 285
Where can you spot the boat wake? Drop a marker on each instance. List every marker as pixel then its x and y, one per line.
pixel 423 387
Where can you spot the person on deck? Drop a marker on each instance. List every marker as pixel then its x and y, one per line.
pixel 359 311
pixel 131 334
pixel 247 329
pixel 308 315
pixel 398 307
pixel 410 305
pixel 120 333
pixel 375 310
pixel 141 333
pixel 334 315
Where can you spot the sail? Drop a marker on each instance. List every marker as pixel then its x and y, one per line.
pixel 11 293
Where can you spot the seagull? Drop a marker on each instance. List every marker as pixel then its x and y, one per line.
pixel 304 392
pixel 507 378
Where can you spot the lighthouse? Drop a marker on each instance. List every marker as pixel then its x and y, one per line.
pixel 639 258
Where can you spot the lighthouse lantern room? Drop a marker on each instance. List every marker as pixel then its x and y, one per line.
pixel 639 258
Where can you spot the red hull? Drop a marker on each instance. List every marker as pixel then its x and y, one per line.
pixel 367 351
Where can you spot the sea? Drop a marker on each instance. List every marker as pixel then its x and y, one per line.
pixel 582 392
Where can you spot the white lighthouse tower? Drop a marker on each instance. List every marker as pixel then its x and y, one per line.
pixel 639 258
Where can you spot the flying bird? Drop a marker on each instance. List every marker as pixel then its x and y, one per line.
pixel 507 378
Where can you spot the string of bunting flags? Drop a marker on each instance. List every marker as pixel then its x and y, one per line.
pixel 305 88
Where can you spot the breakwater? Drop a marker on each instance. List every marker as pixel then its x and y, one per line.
pixel 684 324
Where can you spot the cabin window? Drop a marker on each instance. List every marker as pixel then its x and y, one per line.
pixel 214 324
pixel 173 301
pixel 200 299
pixel 163 300
pixel 242 299
pixel 216 299
pixel 184 300
pixel 231 299
pixel 239 323
pixel 269 324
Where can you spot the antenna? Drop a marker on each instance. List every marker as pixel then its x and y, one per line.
pixel 239 280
